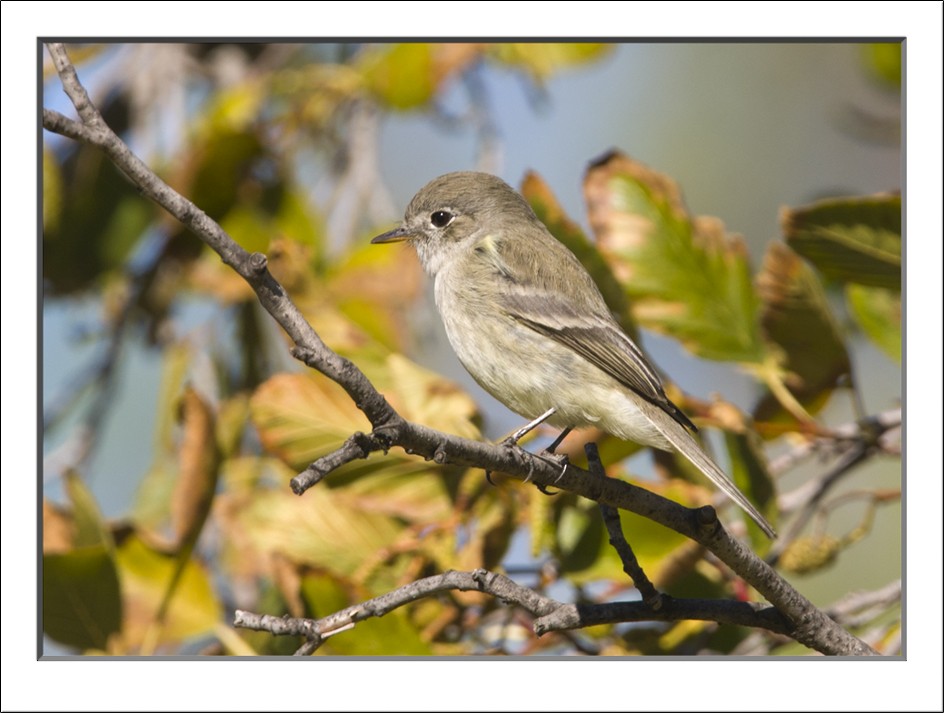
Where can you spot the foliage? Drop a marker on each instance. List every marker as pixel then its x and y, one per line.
pixel 215 526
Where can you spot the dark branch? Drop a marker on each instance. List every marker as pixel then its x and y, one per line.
pixel 614 528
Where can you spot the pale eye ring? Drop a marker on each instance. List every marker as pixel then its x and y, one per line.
pixel 441 218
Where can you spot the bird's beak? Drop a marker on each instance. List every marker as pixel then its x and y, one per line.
pixel 393 236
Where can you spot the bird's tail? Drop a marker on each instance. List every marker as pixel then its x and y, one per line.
pixel 689 447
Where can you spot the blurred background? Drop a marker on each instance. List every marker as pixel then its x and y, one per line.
pixel 307 150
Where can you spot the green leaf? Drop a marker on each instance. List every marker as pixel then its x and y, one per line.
pixel 401 75
pixel 393 634
pixel 146 573
pixel 407 75
pixel 802 331
pixel 322 595
pixel 685 277
pixel 81 597
pixel 878 312
pixel 850 239
pixel 582 543
pixel 89 237
pixel 223 162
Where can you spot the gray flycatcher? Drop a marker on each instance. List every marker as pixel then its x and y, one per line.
pixel 531 327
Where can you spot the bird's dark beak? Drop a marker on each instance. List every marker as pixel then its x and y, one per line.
pixel 393 236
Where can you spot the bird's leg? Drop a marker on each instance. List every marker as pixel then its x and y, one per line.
pixel 557 441
pixel 513 439
pixel 549 454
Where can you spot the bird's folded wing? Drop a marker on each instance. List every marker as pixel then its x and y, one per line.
pixel 597 339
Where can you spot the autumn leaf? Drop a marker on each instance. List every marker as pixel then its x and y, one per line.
pixel 685 276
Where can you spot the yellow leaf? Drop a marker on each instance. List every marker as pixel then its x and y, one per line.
pixel 424 397
pixel 145 575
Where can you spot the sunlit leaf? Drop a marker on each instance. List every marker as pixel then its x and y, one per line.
pixel 82 605
pixel 235 108
pixel 407 75
pixel 850 239
pixel 145 575
pixel 797 319
pixel 393 634
pixel 319 529
pixel 301 417
pixel 401 75
pixel 322 595
pixel 877 311
pixel 425 397
pixel 407 488
pixel 685 277
pixel 247 225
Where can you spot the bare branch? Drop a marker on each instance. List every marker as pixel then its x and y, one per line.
pixel 810 626
pixel 550 614
pixel 316 631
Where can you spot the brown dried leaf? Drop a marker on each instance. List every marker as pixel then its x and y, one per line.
pixel 199 467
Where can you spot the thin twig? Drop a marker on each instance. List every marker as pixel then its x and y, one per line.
pixel 650 595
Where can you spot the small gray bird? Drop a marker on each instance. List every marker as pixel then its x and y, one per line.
pixel 529 324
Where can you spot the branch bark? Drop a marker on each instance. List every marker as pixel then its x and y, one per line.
pixel 802 621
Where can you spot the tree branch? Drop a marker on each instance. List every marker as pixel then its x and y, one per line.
pixel 809 625
pixel 550 615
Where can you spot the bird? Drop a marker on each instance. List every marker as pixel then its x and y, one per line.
pixel 527 321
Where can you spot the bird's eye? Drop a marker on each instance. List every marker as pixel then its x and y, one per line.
pixel 441 218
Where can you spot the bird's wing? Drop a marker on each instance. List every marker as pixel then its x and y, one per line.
pixel 597 338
